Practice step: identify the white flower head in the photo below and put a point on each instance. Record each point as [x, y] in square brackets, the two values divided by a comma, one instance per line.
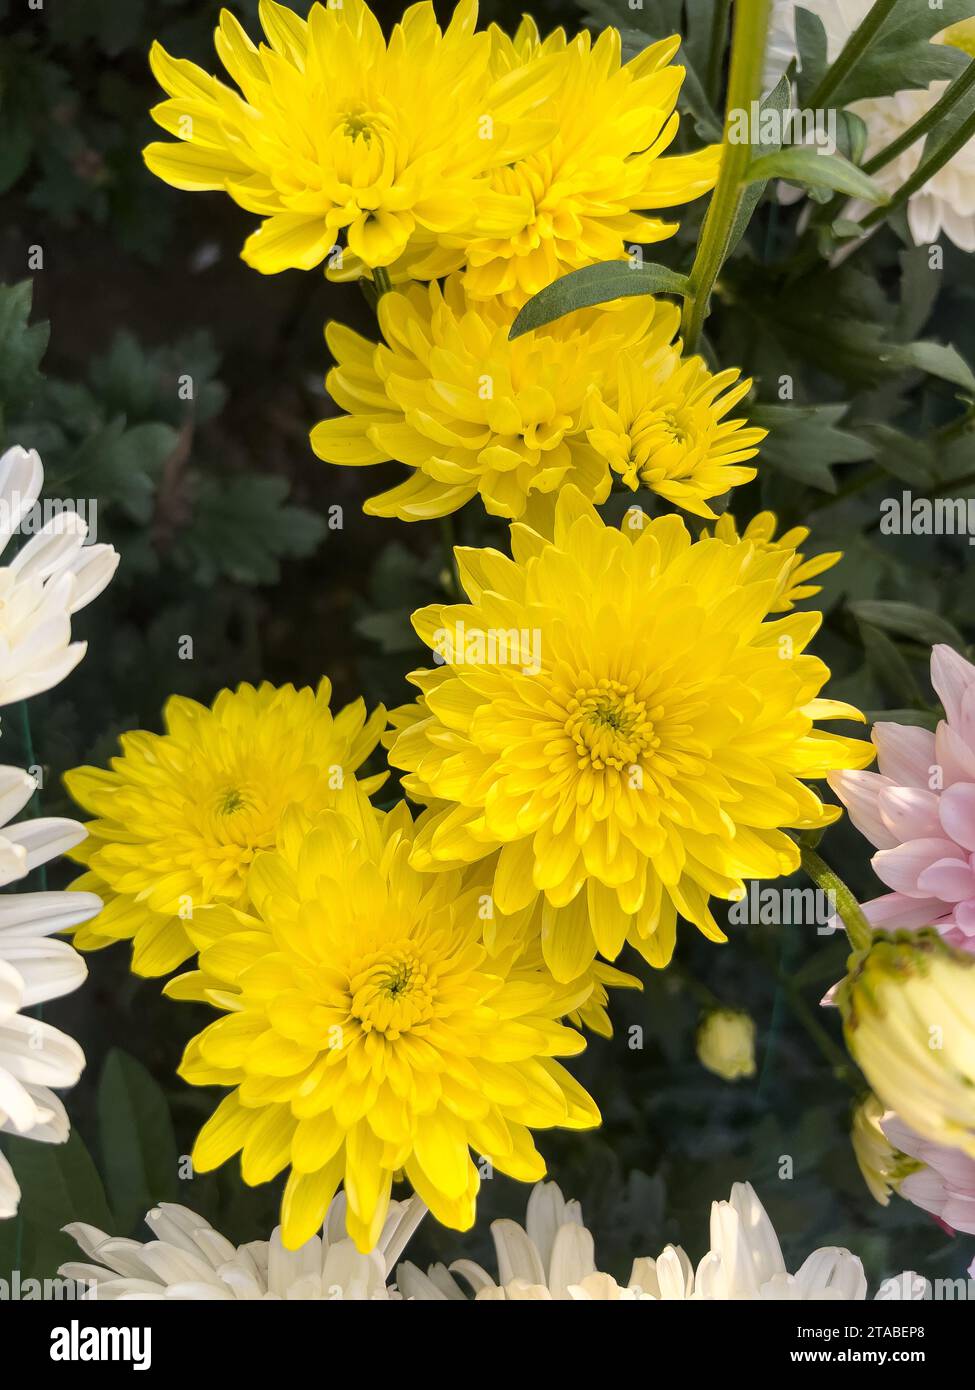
[552, 1258]
[50, 578]
[34, 1056]
[946, 203]
[188, 1260]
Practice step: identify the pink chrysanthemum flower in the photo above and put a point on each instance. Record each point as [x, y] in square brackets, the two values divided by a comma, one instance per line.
[919, 811]
[944, 1180]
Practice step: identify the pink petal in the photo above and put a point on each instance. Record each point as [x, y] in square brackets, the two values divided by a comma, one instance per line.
[905, 753]
[957, 812]
[859, 793]
[965, 916]
[951, 676]
[894, 912]
[900, 868]
[901, 1135]
[951, 880]
[909, 813]
[954, 756]
[966, 724]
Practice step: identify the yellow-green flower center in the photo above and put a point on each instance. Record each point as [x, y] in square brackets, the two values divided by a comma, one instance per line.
[392, 992]
[356, 125]
[610, 726]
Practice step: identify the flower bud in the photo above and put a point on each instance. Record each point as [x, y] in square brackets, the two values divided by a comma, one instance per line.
[882, 1166]
[908, 1007]
[726, 1044]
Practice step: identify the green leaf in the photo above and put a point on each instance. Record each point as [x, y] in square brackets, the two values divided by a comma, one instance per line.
[813, 169]
[59, 1183]
[138, 1147]
[22, 346]
[908, 620]
[811, 44]
[241, 528]
[902, 55]
[909, 460]
[889, 664]
[804, 441]
[122, 466]
[937, 359]
[594, 284]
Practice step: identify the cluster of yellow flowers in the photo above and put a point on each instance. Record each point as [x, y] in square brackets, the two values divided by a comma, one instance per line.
[623, 719]
[537, 158]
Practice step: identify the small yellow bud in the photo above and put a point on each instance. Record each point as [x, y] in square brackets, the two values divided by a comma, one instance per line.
[726, 1044]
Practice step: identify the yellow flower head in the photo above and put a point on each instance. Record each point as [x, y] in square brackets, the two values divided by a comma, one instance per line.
[335, 132]
[667, 432]
[471, 412]
[369, 1034]
[516, 940]
[759, 534]
[181, 815]
[588, 188]
[618, 717]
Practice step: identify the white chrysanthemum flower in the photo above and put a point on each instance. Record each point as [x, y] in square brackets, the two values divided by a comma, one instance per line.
[745, 1260]
[188, 1260]
[51, 577]
[839, 17]
[946, 203]
[34, 1057]
[553, 1258]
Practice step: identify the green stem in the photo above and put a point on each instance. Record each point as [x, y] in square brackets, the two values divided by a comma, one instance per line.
[963, 424]
[719, 38]
[853, 50]
[830, 1049]
[857, 927]
[858, 484]
[744, 86]
[926, 170]
[381, 280]
[932, 118]
[706, 998]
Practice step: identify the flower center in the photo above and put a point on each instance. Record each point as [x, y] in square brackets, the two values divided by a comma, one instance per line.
[392, 992]
[230, 802]
[356, 125]
[610, 726]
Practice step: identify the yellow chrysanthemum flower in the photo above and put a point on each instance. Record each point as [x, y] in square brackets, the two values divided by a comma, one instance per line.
[369, 1035]
[181, 815]
[471, 412]
[336, 131]
[586, 188]
[960, 35]
[667, 431]
[615, 714]
[760, 535]
[516, 940]
[589, 188]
